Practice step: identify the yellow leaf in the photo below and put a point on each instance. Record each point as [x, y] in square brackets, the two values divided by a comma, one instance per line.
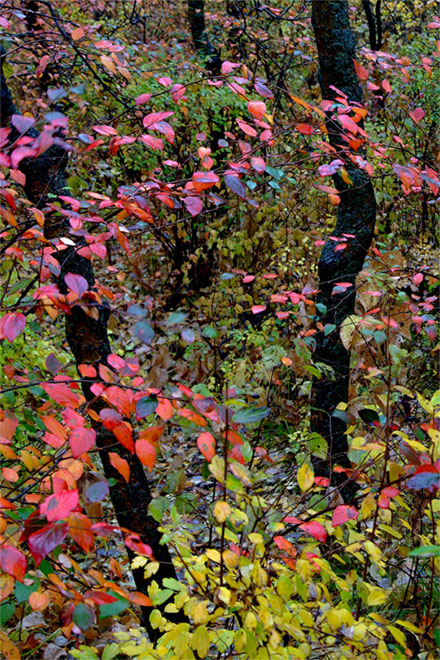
[306, 477]
[108, 63]
[200, 612]
[222, 511]
[242, 473]
[9, 650]
[409, 626]
[217, 468]
[414, 444]
[334, 618]
[347, 330]
[377, 596]
[201, 641]
[398, 635]
[213, 555]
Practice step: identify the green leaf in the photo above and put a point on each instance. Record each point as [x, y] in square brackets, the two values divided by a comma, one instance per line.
[176, 317]
[162, 596]
[23, 591]
[6, 611]
[328, 328]
[426, 551]
[172, 583]
[146, 406]
[368, 416]
[250, 415]
[83, 616]
[115, 608]
[157, 508]
[110, 652]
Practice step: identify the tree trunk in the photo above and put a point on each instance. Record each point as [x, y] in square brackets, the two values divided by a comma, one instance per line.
[196, 17]
[356, 216]
[88, 340]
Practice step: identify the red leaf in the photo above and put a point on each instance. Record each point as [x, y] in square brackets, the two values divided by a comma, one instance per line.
[204, 180]
[100, 597]
[263, 90]
[110, 418]
[61, 394]
[13, 561]
[206, 444]
[81, 440]
[76, 283]
[146, 453]
[59, 506]
[315, 529]
[46, 540]
[305, 129]
[134, 543]
[417, 278]
[343, 514]
[257, 309]
[12, 325]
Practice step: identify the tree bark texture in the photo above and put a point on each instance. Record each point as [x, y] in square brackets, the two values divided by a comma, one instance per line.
[88, 340]
[356, 215]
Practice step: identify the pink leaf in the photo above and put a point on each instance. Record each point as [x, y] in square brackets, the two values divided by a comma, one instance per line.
[194, 205]
[258, 164]
[81, 440]
[59, 506]
[343, 514]
[12, 561]
[11, 326]
[143, 98]
[76, 283]
[417, 115]
[257, 309]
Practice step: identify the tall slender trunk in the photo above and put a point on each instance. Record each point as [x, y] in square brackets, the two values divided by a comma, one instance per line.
[355, 216]
[88, 340]
[196, 17]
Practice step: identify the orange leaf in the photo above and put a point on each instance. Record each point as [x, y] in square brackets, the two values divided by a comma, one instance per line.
[39, 600]
[140, 599]
[151, 434]
[120, 464]
[146, 453]
[206, 444]
[80, 529]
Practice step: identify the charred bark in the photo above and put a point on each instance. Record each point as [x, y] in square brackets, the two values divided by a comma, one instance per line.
[356, 216]
[88, 340]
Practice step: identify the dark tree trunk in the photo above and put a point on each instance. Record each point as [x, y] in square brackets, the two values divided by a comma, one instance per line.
[356, 215]
[88, 340]
[196, 16]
